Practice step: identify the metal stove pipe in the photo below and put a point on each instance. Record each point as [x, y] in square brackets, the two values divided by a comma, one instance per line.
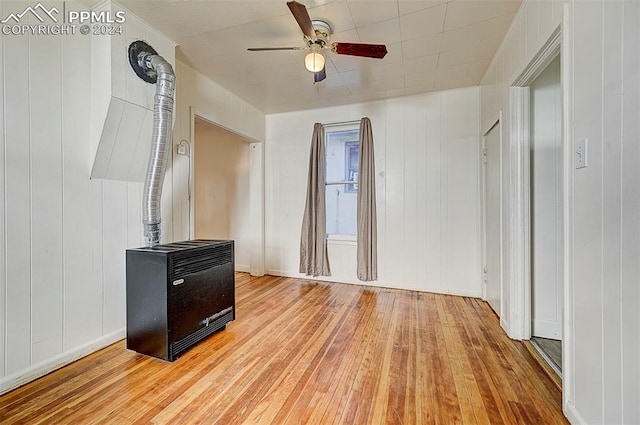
[154, 68]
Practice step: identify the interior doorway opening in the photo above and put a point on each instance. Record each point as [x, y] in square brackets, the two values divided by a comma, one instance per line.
[546, 213]
[221, 189]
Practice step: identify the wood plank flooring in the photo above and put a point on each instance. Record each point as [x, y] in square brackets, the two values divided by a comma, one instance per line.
[305, 352]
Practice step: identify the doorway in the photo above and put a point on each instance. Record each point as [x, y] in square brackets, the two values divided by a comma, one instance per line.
[492, 225]
[221, 176]
[546, 213]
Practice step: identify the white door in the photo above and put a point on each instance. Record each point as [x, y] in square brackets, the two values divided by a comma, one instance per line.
[546, 204]
[492, 221]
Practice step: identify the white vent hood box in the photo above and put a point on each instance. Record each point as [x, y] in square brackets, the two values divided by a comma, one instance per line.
[121, 109]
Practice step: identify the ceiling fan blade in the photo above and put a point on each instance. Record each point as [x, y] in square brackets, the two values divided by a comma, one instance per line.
[299, 11]
[377, 51]
[264, 49]
[320, 75]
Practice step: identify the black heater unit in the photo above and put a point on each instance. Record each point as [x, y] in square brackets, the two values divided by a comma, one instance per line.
[178, 294]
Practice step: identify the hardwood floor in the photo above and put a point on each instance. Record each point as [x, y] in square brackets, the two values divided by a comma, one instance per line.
[307, 352]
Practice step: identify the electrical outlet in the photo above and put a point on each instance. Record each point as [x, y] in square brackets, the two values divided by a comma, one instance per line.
[581, 153]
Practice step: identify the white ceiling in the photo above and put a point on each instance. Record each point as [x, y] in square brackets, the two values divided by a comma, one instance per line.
[432, 44]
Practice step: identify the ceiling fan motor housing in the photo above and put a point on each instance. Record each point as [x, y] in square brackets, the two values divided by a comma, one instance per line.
[323, 33]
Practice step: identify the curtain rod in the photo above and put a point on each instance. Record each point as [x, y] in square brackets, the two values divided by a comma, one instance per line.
[335, 124]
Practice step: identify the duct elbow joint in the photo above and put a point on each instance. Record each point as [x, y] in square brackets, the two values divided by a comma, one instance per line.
[148, 65]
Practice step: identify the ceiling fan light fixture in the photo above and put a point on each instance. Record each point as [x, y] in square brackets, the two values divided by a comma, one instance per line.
[317, 34]
[314, 62]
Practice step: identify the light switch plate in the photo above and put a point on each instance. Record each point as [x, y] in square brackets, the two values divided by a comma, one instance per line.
[581, 153]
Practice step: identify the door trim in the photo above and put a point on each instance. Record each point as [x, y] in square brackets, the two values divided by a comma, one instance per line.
[520, 223]
[497, 123]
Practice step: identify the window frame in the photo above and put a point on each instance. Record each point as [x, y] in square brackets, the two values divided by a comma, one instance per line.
[343, 238]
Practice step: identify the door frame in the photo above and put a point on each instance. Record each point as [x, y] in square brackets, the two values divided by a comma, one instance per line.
[483, 162]
[518, 197]
[520, 226]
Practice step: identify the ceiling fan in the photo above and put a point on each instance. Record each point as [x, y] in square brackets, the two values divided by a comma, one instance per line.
[316, 37]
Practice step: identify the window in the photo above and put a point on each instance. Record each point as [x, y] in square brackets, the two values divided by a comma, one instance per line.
[343, 153]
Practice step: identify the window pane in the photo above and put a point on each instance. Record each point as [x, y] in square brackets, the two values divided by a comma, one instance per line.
[342, 150]
[342, 209]
[338, 167]
[352, 152]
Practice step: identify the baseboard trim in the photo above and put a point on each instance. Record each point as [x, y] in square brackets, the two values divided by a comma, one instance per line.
[377, 283]
[34, 372]
[504, 324]
[572, 414]
[243, 268]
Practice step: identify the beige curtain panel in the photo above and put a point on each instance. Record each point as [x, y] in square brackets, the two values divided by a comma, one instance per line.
[314, 260]
[367, 221]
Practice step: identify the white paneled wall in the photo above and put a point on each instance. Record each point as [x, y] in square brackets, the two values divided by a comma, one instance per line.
[129, 100]
[63, 236]
[60, 296]
[604, 67]
[426, 152]
[3, 211]
[45, 188]
[17, 277]
[601, 68]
